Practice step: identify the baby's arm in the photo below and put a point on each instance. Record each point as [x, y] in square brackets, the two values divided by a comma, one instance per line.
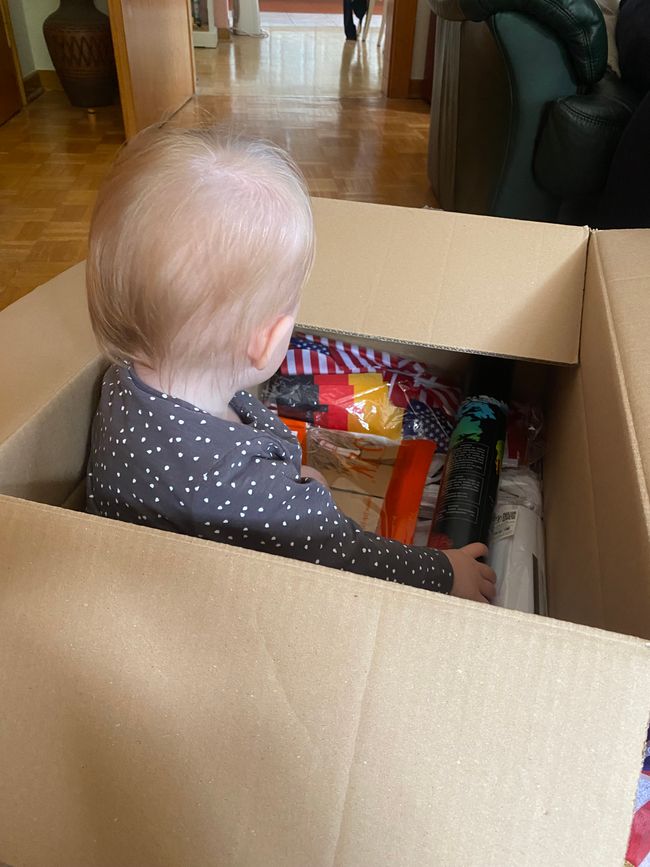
[277, 509]
[308, 522]
[344, 545]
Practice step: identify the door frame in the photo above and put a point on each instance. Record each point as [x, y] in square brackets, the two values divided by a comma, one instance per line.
[6, 23]
[398, 49]
[118, 30]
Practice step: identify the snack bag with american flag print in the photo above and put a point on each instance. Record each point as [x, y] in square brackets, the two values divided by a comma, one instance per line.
[341, 386]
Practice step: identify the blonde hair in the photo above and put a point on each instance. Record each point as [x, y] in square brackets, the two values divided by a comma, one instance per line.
[195, 239]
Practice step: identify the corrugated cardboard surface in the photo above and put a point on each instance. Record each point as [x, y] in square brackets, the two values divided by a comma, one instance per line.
[598, 449]
[625, 264]
[50, 364]
[573, 565]
[615, 368]
[168, 701]
[448, 280]
[50, 328]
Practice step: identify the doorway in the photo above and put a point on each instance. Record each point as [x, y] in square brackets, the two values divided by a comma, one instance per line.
[304, 54]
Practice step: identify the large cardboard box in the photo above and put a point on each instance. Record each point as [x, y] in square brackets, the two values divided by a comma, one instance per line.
[168, 701]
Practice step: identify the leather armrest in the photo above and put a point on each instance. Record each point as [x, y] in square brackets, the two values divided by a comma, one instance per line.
[578, 138]
[578, 24]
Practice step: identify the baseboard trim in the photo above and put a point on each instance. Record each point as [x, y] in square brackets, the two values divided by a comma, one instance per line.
[39, 81]
[33, 86]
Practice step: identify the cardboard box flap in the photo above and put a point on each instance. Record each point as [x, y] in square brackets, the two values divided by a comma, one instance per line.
[615, 370]
[50, 327]
[455, 281]
[624, 259]
[173, 701]
[46, 345]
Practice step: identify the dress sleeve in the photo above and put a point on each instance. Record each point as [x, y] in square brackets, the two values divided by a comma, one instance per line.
[295, 517]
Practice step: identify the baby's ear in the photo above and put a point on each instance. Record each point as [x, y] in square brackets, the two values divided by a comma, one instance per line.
[268, 341]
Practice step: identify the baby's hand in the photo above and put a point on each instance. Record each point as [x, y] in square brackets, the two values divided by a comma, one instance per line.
[472, 580]
[314, 475]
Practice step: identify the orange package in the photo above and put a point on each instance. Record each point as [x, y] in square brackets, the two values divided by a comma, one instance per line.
[375, 481]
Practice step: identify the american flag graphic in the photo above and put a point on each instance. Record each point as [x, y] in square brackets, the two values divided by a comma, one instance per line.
[309, 353]
[408, 380]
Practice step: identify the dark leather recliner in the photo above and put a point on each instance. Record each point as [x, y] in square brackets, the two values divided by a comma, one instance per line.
[524, 117]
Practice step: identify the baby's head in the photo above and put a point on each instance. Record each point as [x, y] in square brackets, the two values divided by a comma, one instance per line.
[199, 249]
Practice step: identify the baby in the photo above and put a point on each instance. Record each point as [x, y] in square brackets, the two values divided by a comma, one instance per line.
[199, 249]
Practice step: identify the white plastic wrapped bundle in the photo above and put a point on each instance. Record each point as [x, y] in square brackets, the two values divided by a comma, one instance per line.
[517, 543]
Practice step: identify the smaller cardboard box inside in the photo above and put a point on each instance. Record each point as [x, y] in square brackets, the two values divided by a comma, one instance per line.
[171, 701]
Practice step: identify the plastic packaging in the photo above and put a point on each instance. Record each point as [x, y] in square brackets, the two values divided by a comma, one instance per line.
[340, 386]
[376, 482]
[521, 487]
[402, 408]
[516, 543]
[471, 477]
[524, 441]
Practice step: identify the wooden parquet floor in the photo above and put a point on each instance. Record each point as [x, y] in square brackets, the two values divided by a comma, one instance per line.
[307, 59]
[371, 150]
[53, 158]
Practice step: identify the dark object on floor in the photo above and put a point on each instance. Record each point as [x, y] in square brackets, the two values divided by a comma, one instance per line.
[360, 9]
[78, 37]
[524, 121]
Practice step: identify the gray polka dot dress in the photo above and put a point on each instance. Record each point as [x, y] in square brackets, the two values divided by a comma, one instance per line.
[158, 461]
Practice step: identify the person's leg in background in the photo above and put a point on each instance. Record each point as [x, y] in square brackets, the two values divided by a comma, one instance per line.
[348, 20]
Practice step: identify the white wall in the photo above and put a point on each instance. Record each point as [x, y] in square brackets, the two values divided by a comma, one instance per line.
[420, 40]
[19, 27]
[36, 11]
[31, 43]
